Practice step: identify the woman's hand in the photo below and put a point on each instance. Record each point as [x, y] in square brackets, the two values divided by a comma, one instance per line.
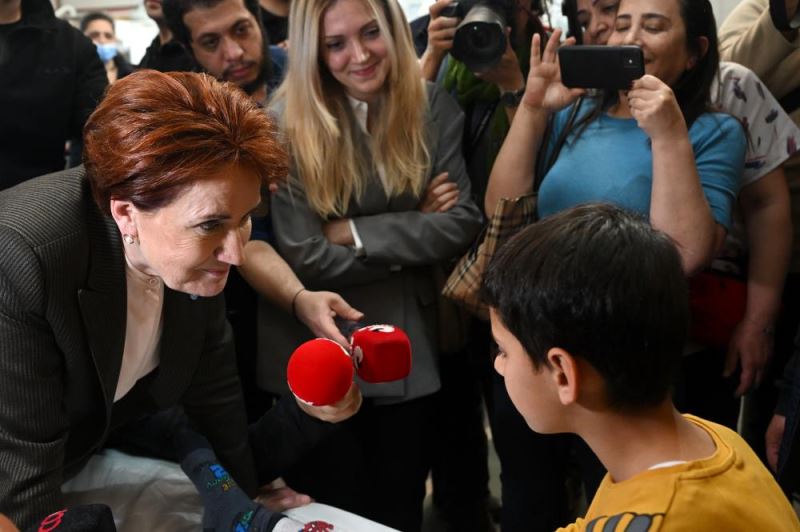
[653, 105]
[544, 89]
[344, 409]
[751, 347]
[317, 310]
[338, 232]
[773, 439]
[440, 196]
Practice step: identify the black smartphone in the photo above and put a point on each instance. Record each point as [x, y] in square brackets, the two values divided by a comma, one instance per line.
[600, 67]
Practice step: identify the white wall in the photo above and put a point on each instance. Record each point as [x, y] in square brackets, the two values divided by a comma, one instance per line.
[722, 8]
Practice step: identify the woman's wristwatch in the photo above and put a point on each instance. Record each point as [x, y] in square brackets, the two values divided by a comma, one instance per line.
[512, 98]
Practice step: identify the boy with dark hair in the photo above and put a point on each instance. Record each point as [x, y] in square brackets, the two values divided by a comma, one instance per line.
[590, 313]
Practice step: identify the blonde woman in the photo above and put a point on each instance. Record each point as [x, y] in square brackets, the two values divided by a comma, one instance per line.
[378, 196]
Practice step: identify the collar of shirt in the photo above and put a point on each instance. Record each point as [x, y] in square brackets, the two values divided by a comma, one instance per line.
[361, 112]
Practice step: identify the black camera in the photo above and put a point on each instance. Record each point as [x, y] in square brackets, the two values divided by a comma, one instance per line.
[480, 38]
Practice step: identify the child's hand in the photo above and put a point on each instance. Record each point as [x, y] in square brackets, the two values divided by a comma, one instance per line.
[277, 497]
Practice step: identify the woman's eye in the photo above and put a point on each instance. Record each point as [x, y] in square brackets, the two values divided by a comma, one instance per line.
[208, 227]
[372, 32]
[621, 27]
[610, 9]
[334, 45]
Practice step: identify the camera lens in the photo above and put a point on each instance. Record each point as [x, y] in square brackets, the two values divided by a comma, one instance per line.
[632, 58]
[480, 39]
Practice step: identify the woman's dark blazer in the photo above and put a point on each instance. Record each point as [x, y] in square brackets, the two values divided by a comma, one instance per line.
[62, 333]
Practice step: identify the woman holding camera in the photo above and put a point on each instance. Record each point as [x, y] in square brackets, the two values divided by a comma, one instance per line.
[673, 160]
[367, 138]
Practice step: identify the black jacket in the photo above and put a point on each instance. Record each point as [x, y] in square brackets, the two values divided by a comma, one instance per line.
[62, 335]
[50, 82]
[168, 57]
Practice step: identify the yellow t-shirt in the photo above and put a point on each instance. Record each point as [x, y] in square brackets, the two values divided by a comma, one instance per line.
[730, 490]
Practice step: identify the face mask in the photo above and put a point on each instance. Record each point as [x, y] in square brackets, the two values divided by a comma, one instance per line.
[107, 52]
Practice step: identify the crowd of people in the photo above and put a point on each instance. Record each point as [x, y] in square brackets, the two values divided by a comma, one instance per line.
[272, 169]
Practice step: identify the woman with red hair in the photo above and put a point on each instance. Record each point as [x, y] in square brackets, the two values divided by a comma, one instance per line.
[110, 282]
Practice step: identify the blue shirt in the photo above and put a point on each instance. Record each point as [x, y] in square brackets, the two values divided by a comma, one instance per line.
[612, 162]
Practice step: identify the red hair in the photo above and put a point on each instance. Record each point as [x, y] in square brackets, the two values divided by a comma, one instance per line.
[155, 133]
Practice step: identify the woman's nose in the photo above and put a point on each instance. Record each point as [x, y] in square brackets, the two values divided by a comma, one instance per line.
[232, 250]
[360, 52]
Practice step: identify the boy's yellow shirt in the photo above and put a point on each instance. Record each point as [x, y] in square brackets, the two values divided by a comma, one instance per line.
[730, 490]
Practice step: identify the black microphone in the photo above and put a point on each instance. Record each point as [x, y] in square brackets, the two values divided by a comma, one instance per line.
[88, 518]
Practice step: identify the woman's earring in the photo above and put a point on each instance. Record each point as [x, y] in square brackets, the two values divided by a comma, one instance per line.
[129, 239]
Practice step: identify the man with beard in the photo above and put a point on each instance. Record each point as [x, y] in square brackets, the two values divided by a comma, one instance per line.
[226, 39]
[164, 53]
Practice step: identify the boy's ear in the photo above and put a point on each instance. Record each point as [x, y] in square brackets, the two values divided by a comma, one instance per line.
[565, 374]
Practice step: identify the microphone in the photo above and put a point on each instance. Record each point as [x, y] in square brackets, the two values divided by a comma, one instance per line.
[89, 518]
[381, 353]
[320, 372]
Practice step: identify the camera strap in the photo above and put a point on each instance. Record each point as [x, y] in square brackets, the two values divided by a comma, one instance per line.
[782, 20]
[475, 137]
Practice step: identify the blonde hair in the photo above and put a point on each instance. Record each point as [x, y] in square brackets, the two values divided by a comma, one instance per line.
[320, 127]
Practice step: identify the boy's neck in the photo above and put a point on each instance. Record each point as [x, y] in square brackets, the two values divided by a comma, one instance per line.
[629, 444]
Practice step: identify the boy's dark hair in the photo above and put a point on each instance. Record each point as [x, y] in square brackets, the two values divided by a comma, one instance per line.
[175, 9]
[95, 15]
[603, 285]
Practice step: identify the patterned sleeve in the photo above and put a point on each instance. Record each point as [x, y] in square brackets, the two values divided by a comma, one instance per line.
[772, 136]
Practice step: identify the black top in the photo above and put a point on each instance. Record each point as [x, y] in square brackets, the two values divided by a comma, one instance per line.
[5, 29]
[168, 57]
[51, 79]
[123, 67]
[277, 28]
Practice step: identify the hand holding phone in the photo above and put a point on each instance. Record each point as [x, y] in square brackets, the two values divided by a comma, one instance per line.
[600, 67]
[544, 89]
[656, 110]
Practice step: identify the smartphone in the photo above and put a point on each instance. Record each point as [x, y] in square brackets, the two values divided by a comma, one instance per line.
[600, 67]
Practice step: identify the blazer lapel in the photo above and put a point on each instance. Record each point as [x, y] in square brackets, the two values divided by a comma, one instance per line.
[103, 302]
